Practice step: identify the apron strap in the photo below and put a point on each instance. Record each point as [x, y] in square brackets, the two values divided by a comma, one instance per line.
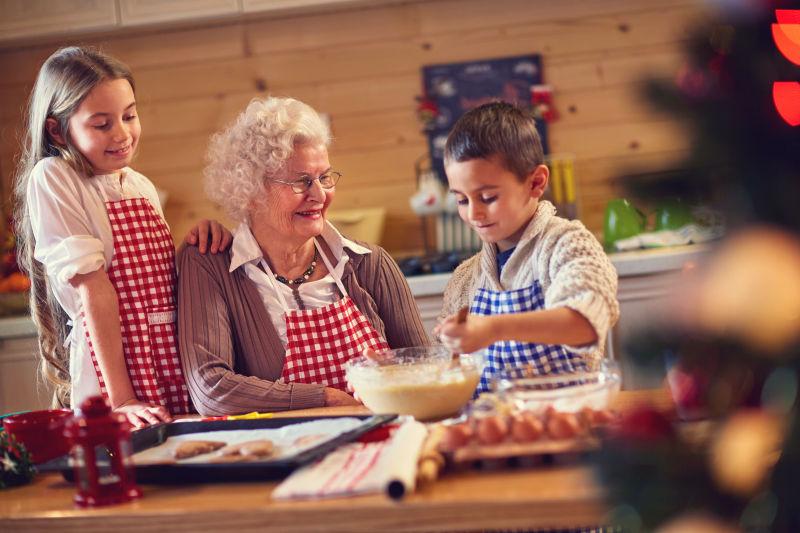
[330, 269]
[274, 283]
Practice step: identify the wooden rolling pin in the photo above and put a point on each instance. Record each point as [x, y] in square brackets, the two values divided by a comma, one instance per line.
[430, 460]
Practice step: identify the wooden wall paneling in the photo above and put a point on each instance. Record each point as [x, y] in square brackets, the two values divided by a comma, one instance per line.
[611, 69]
[9, 151]
[405, 237]
[171, 153]
[460, 15]
[359, 96]
[150, 48]
[385, 165]
[593, 37]
[209, 78]
[332, 29]
[358, 60]
[255, 6]
[370, 58]
[133, 12]
[171, 160]
[618, 103]
[13, 99]
[184, 215]
[185, 185]
[618, 138]
[602, 173]
[190, 116]
[389, 128]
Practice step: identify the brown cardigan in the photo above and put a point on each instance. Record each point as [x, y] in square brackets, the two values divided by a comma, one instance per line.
[231, 352]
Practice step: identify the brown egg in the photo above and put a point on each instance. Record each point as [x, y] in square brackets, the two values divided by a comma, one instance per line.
[526, 427]
[455, 437]
[563, 425]
[590, 418]
[492, 430]
[602, 417]
[586, 416]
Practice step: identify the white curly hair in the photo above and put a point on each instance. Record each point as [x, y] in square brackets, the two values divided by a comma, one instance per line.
[259, 142]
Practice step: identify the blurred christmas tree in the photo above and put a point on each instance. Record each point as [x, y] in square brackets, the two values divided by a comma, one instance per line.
[733, 333]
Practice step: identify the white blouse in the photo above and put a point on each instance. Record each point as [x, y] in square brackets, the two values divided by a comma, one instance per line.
[246, 253]
[73, 236]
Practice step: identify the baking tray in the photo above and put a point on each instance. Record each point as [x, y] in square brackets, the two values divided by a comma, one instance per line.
[180, 473]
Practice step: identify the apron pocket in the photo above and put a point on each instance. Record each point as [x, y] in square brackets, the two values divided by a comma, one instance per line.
[161, 328]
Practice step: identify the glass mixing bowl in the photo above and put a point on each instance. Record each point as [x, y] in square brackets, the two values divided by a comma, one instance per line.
[422, 381]
[568, 392]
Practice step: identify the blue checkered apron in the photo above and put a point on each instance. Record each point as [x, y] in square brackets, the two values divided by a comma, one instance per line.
[542, 358]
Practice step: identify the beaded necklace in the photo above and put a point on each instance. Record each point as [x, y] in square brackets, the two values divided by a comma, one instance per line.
[294, 284]
[303, 277]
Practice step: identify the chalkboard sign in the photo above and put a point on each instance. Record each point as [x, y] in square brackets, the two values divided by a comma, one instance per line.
[458, 87]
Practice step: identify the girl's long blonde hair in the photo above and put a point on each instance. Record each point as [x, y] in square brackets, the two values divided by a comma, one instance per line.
[64, 80]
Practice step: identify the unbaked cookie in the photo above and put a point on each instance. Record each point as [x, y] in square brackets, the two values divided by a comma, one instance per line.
[193, 448]
[254, 449]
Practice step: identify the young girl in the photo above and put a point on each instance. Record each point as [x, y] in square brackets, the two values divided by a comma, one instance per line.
[541, 293]
[95, 244]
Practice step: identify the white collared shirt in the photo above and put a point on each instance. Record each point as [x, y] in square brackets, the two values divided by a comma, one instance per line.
[246, 253]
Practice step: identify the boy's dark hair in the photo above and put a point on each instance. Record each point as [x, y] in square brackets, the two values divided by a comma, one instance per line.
[497, 129]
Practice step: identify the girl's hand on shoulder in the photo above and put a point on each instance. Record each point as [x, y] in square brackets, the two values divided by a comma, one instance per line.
[141, 414]
[468, 336]
[209, 232]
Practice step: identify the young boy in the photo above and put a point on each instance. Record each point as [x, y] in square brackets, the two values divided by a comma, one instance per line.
[541, 293]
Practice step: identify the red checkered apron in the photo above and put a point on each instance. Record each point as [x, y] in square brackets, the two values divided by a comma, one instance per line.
[143, 274]
[320, 341]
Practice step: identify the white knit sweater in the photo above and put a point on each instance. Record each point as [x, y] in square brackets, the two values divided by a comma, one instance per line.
[564, 257]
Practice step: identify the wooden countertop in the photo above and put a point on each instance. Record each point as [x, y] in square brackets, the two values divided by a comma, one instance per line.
[542, 497]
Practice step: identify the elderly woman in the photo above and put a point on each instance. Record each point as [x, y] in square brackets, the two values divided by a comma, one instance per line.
[270, 324]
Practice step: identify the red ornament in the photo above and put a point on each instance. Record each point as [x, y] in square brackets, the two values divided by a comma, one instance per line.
[786, 95]
[542, 101]
[427, 112]
[101, 450]
[786, 34]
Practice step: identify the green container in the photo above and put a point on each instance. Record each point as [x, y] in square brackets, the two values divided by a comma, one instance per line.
[622, 220]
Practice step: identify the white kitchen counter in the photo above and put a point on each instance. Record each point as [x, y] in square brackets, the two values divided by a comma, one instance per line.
[651, 261]
[429, 284]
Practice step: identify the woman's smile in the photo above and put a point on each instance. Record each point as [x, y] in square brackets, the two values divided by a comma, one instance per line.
[312, 214]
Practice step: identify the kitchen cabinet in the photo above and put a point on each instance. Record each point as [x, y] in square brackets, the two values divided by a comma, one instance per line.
[428, 292]
[34, 18]
[140, 12]
[21, 388]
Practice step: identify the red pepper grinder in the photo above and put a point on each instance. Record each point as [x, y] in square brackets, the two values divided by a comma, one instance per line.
[101, 450]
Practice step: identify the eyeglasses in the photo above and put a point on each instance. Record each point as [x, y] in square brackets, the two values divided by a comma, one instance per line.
[302, 185]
